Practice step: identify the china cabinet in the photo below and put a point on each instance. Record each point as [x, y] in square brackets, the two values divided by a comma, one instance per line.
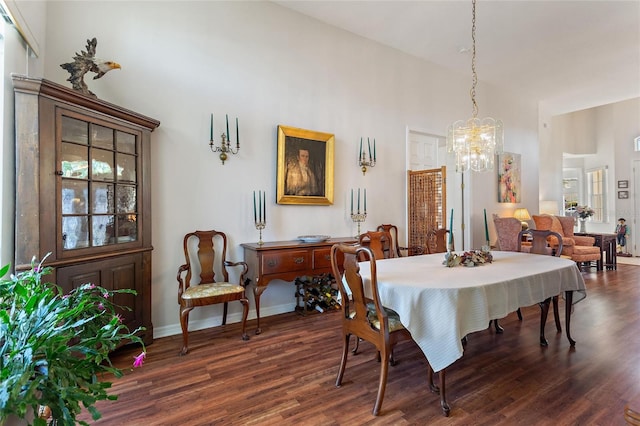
[83, 192]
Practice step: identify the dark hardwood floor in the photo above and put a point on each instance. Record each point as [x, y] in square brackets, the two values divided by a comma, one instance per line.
[286, 375]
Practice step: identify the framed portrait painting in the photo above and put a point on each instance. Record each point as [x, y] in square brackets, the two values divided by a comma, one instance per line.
[509, 173]
[305, 167]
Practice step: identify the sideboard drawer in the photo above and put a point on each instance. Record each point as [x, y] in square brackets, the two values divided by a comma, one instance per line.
[286, 261]
[322, 258]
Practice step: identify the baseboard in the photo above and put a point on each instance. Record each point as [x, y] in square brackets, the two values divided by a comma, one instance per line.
[173, 329]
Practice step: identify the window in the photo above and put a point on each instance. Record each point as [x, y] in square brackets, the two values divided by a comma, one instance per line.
[597, 193]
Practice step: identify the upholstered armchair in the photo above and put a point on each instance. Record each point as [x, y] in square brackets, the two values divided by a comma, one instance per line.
[507, 229]
[578, 248]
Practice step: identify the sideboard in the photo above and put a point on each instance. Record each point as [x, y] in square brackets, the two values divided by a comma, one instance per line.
[286, 260]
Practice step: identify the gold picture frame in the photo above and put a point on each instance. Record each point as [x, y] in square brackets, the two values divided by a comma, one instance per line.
[305, 166]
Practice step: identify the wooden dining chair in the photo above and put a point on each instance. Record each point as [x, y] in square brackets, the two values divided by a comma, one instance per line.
[205, 256]
[545, 243]
[400, 250]
[393, 231]
[379, 242]
[438, 240]
[363, 315]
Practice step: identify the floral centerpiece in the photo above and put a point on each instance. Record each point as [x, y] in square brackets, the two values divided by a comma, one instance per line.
[468, 258]
[584, 212]
[54, 347]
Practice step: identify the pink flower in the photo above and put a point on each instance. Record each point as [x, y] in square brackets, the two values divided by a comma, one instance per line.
[101, 306]
[119, 317]
[139, 360]
[105, 295]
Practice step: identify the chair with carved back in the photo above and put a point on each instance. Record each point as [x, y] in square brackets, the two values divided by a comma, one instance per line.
[205, 256]
[363, 315]
[437, 240]
[379, 242]
[540, 244]
[382, 245]
[401, 251]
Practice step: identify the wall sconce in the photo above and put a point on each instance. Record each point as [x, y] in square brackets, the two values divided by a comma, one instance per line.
[362, 159]
[522, 215]
[225, 145]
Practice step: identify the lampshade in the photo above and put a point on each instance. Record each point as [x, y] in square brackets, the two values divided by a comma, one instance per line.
[475, 142]
[522, 215]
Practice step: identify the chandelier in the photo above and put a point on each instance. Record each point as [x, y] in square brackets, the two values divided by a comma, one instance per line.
[475, 142]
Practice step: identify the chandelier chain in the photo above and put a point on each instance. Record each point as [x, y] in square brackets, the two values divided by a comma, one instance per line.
[473, 60]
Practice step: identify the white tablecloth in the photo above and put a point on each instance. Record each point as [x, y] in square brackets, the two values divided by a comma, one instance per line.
[441, 305]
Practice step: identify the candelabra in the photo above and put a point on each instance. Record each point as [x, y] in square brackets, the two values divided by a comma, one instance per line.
[260, 225]
[225, 144]
[260, 213]
[358, 218]
[362, 159]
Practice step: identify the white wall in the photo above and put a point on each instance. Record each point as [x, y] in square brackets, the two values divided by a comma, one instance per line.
[268, 65]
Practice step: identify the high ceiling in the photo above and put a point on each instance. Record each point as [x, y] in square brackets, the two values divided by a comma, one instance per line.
[572, 54]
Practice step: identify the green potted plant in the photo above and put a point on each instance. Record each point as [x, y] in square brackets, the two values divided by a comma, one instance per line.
[54, 347]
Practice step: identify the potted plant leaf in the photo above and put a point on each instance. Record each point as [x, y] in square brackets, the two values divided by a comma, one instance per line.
[54, 347]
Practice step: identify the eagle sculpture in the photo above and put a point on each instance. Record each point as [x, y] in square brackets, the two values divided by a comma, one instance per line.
[83, 63]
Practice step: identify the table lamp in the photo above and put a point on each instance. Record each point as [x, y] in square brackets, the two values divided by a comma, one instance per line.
[522, 215]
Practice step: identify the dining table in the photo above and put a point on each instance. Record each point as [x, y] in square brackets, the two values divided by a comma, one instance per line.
[440, 305]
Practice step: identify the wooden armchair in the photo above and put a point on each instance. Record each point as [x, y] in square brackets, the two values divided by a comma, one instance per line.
[363, 315]
[200, 287]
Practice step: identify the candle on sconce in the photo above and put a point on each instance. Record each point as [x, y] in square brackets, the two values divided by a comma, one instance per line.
[255, 213]
[351, 200]
[264, 207]
[211, 139]
[227, 126]
[358, 200]
[369, 144]
[360, 151]
[374, 149]
[259, 206]
[237, 134]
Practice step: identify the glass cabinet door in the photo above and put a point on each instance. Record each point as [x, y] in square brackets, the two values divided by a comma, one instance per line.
[99, 184]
